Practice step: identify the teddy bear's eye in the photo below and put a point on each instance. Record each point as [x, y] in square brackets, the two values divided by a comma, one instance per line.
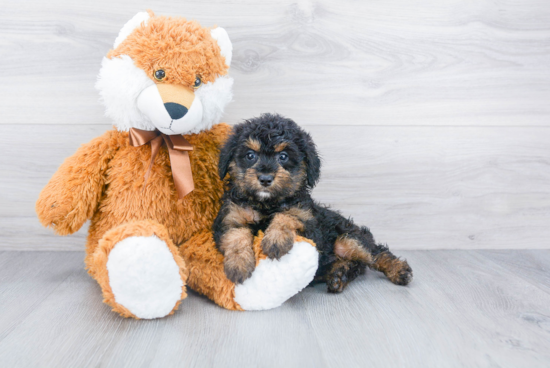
[198, 82]
[160, 74]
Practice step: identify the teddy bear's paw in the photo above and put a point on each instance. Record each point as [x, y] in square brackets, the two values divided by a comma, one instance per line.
[275, 281]
[144, 276]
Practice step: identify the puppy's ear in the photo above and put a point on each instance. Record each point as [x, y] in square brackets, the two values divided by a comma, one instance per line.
[226, 154]
[313, 161]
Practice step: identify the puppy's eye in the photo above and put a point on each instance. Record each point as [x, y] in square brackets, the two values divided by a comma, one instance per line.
[283, 157]
[159, 74]
[251, 155]
[198, 82]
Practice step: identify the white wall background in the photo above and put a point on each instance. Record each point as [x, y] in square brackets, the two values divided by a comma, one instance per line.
[433, 116]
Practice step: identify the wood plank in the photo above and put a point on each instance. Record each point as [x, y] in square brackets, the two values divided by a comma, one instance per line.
[355, 63]
[32, 154]
[72, 327]
[464, 308]
[460, 311]
[27, 234]
[26, 279]
[530, 265]
[415, 187]
[445, 187]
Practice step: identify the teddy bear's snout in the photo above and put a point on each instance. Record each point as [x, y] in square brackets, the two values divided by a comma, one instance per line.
[175, 110]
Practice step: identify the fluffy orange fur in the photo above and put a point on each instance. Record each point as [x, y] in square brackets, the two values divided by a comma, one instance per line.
[180, 47]
[98, 263]
[104, 181]
[206, 270]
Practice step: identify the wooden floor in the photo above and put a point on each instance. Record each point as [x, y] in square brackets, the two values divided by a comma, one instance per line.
[472, 308]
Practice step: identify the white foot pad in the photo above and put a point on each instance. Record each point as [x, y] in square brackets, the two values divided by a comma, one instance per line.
[144, 276]
[273, 282]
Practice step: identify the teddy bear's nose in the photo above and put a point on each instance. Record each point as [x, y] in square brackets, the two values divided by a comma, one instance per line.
[175, 110]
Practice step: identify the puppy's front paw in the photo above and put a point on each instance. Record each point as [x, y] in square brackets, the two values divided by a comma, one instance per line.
[276, 243]
[239, 266]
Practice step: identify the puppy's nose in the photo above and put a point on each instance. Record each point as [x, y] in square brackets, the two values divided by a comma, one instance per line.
[265, 180]
[175, 110]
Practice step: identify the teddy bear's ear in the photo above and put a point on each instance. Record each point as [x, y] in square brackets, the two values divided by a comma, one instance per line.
[221, 36]
[129, 27]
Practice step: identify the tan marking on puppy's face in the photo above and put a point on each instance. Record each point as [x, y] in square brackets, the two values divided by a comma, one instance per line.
[242, 178]
[250, 184]
[286, 182]
[351, 249]
[282, 179]
[281, 146]
[253, 144]
[298, 179]
[246, 178]
[234, 171]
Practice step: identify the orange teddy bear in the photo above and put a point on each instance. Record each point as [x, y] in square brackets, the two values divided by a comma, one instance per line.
[151, 186]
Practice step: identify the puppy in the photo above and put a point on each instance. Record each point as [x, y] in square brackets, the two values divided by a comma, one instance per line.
[273, 165]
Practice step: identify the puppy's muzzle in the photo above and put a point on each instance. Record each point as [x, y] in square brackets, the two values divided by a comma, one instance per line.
[265, 180]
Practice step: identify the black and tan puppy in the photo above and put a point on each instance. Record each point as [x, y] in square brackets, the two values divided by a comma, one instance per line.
[273, 165]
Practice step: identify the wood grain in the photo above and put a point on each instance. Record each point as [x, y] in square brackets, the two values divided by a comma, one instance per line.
[415, 187]
[443, 62]
[464, 309]
[530, 265]
[26, 233]
[433, 121]
[432, 116]
[458, 300]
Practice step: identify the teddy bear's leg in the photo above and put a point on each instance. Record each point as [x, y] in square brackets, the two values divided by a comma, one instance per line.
[139, 270]
[271, 284]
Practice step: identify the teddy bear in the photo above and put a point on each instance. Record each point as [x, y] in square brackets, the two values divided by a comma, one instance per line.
[150, 186]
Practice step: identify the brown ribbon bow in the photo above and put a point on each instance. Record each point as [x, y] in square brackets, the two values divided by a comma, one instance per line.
[178, 148]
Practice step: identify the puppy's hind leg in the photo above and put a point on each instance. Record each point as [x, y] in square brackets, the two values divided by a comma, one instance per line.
[351, 261]
[358, 245]
[397, 270]
[342, 273]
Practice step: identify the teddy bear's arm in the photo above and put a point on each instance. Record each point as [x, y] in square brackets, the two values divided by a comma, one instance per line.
[72, 194]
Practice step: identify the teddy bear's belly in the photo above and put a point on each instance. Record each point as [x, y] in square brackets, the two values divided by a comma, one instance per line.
[128, 197]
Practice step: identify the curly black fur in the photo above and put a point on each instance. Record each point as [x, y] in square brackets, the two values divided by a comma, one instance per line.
[284, 152]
